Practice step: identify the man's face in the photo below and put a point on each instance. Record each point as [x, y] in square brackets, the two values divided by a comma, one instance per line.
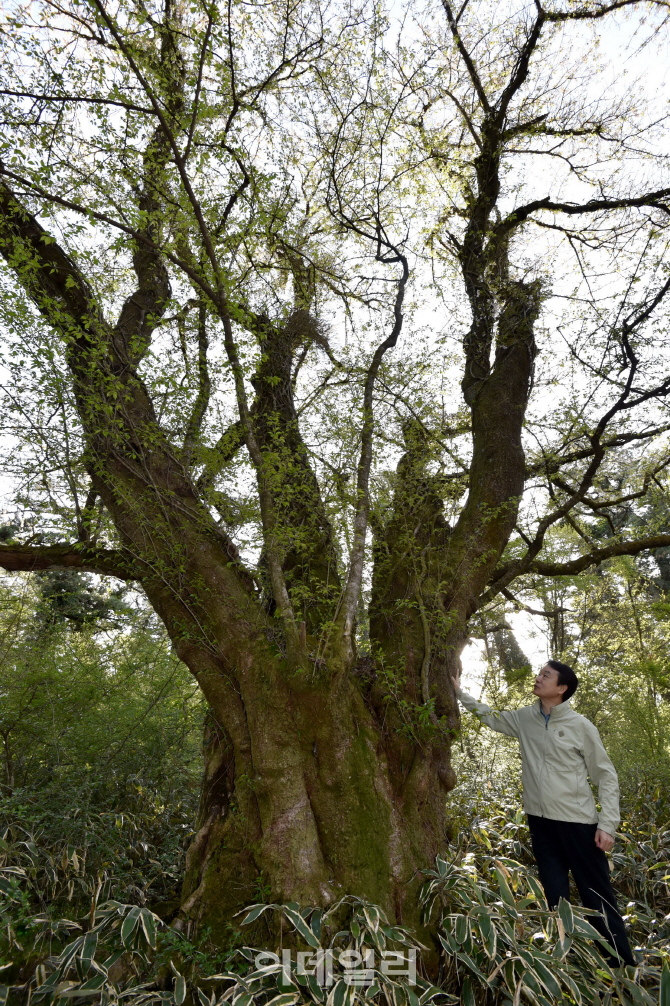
[547, 686]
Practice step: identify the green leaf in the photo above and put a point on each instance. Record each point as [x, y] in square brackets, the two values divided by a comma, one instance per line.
[586, 929]
[4, 992]
[202, 998]
[285, 999]
[315, 988]
[93, 984]
[299, 924]
[179, 990]
[398, 993]
[68, 955]
[509, 973]
[468, 994]
[106, 965]
[412, 998]
[504, 888]
[488, 933]
[430, 993]
[129, 926]
[253, 914]
[372, 917]
[536, 887]
[664, 996]
[315, 923]
[547, 979]
[468, 961]
[149, 926]
[574, 988]
[337, 994]
[566, 916]
[448, 942]
[78, 992]
[530, 981]
[484, 923]
[639, 994]
[88, 950]
[243, 1000]
[460, 929]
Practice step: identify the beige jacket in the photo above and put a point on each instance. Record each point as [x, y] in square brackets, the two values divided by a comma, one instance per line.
[555, 760]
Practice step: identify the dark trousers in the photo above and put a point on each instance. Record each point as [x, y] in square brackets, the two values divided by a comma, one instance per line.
[562, 846]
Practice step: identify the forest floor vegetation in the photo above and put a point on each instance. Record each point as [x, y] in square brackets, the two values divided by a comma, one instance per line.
[90, 921]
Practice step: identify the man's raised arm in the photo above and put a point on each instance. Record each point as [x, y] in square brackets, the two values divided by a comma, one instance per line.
[506, 721]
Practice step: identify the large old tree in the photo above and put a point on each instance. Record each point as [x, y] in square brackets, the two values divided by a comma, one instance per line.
[330, 332]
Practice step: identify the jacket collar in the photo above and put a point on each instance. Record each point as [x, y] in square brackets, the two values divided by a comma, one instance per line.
[557, 712]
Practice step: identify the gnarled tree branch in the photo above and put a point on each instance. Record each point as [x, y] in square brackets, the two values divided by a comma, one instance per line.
[599, 555]
[105, 562]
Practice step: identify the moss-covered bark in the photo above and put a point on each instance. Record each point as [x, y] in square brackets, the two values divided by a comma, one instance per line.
[313, 810]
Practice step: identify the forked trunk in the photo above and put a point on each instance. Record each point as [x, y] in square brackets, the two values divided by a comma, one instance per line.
[311, 800]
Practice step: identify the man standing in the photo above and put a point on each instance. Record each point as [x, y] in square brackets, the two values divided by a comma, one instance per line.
[559, 750]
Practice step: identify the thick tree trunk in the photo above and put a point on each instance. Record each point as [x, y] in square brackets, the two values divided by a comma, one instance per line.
[312, 806]
[306, 792]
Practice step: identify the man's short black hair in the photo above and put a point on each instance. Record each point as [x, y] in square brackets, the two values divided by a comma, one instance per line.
[566, 676]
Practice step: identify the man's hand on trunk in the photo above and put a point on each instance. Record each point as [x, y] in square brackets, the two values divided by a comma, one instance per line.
[604, 840]
[456, 678]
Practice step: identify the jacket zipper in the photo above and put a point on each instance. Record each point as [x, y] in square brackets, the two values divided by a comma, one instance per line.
[544, 763]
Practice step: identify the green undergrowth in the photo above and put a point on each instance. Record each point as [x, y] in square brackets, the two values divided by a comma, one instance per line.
[72, 845]
[488, 934]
